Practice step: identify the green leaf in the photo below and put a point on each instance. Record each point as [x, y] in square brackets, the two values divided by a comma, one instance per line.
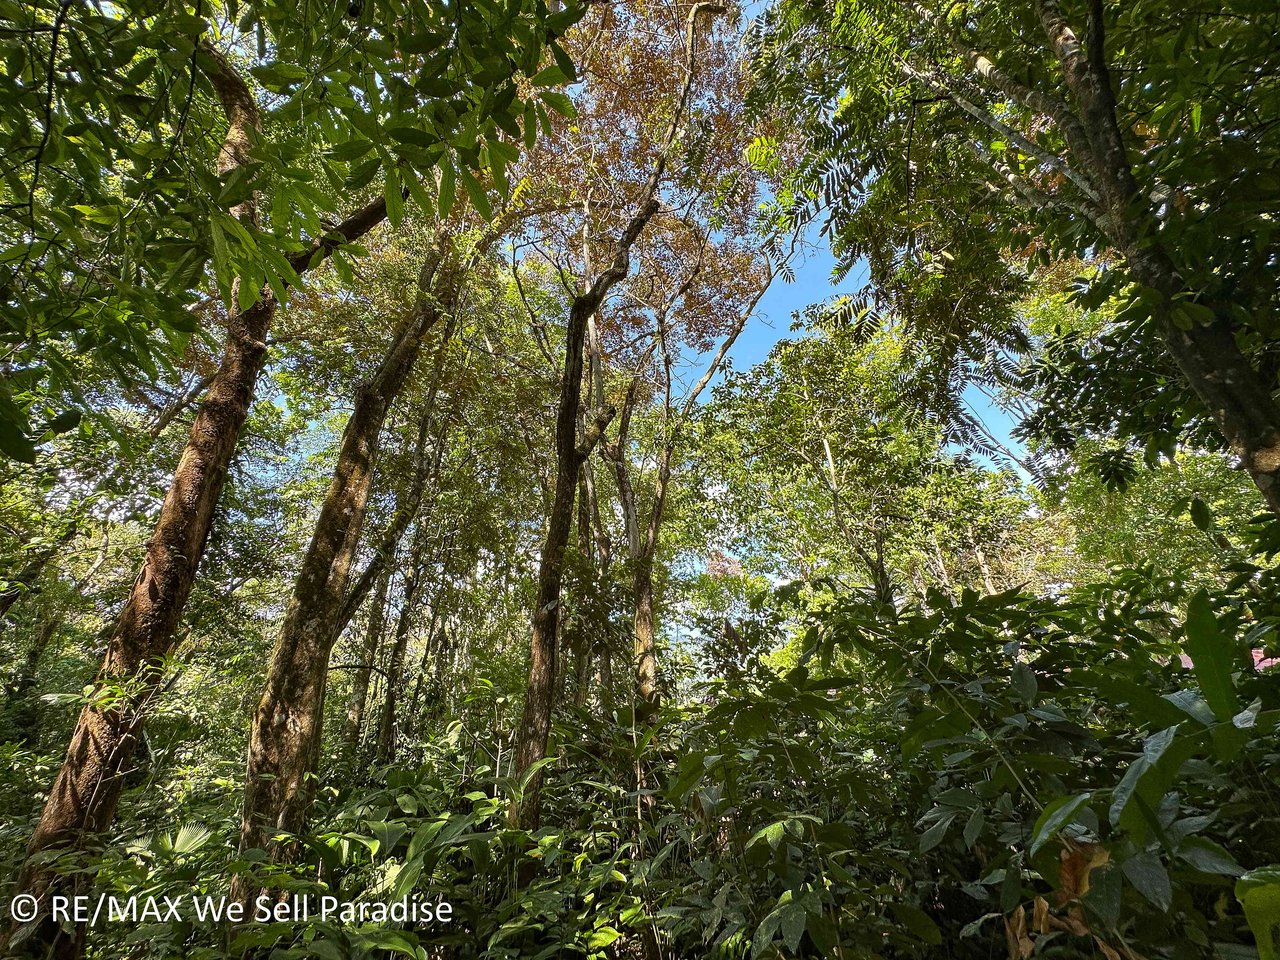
[602, 937]
[479, 198]
[394, 193]
[15, 443]
[973, 828]
[1145, 703]
[191, 838]
[414, 136]
[1211, 654]
[549, 77]
[1153, 752]
[406, 878]
[793, 922]
[353, 149]
[1060, 813]
[418, 191]
[772, 834]
[1259, 893]
[67, 420]
[1024, 683]
[221, 259]
[448, 187]
[1011, 888]
[1208, 857]
[564, 62]
[1201, 515]
[1149, 878]
[559, 102]
[935, 834]
[918, 922]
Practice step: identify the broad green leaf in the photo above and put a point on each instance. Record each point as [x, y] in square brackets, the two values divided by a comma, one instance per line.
[394, 194]
[1211, 655]
[559, 102]
[1259, 893]
[1207, 856]
[1149, 878]
[793, 920]
[1024, 683]
[918, 922]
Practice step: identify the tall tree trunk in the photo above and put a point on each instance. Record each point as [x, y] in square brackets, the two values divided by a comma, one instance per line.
[433, 652]
[284, 740]
[645, 651]
[577, 635]
[407, 509]
[83, 798]
[396, 679]
[359, 699]
[1235, 394]
[535, 729]
[646, 655]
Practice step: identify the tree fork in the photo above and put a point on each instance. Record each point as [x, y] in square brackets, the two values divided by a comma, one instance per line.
[535, 728]
[284, 739]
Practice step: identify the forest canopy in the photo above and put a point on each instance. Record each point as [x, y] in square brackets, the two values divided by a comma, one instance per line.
[640, 479]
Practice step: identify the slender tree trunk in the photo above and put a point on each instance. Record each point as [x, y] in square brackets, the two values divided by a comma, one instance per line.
[645, 651]
[646, 654]
[407, 509]
[432, 653]
[942, 566]
[535, 728]
[986, 570]
[578, 639]
[284, 740]
[396, 679]
[644, 553]
[359, 699]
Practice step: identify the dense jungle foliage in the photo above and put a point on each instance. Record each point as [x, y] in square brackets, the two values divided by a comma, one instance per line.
[664, 479]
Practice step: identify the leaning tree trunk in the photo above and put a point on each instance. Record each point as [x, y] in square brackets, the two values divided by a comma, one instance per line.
[1237, 397]
[284, 740]
[84, 795]
[83, 798]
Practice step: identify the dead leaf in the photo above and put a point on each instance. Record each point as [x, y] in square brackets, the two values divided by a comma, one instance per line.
[1078, 861]
[1041, 922]
[1015, 933]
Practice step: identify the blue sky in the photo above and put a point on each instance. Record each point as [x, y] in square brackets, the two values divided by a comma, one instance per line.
[813, 284]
